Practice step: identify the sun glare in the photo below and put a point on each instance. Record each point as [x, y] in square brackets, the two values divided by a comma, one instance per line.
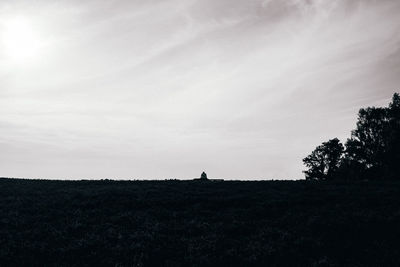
[20, 41]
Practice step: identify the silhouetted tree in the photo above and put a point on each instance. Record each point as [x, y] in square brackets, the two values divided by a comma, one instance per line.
[372, 151]
[324, 160]
[374, 144]
[369, 143]
[393, 156]
[203, 176]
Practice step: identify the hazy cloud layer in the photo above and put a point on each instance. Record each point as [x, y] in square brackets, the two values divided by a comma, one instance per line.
[165, 89]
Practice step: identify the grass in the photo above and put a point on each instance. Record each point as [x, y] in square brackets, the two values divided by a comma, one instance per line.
[195, 223]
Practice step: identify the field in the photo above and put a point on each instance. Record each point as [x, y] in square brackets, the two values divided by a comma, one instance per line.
[196, 223]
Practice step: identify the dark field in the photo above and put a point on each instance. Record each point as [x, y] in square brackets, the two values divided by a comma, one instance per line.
[194, 223]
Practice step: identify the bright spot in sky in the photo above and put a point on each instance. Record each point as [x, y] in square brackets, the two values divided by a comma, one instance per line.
[20, 41]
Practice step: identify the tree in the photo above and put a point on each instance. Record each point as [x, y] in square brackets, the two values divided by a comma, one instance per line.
[203, 176]
[324, 161]
[395, 104]
[372, 151]
[374, 144]
[393, 153]
[369, 142]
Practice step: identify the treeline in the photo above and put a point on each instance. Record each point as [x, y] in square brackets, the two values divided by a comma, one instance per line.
[372, 151]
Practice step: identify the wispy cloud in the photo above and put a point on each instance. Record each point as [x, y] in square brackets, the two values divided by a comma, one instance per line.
[155, 89]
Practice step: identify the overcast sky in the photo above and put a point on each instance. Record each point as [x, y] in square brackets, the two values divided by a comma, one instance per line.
[154, 89]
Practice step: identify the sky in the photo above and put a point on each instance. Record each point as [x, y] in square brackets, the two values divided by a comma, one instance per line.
[164, 89]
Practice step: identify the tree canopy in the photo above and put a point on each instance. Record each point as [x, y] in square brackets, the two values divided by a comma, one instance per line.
[324, 160]
[372, 151]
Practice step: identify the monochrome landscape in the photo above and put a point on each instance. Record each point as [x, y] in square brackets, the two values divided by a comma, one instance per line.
[200, 133]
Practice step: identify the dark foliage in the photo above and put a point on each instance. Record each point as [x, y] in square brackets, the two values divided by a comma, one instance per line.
[185, 223]
[372, 152]
[324, 161]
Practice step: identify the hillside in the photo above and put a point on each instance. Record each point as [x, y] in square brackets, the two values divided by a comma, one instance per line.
[195, 223]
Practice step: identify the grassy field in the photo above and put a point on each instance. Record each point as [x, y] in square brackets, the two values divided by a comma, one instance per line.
[194, 223]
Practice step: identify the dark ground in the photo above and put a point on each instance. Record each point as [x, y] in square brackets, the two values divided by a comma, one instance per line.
[195, 223]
